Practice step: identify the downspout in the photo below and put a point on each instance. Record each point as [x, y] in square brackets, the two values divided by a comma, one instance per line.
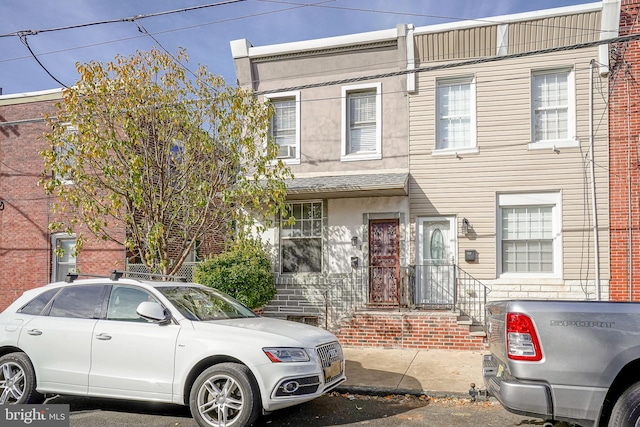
[411, 59]
[596, 242]
[630, 208]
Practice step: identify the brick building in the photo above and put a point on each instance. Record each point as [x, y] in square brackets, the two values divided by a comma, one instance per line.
[624, 160]
[27, 257]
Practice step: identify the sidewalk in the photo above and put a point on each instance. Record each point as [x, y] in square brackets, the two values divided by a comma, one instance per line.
[431, 372]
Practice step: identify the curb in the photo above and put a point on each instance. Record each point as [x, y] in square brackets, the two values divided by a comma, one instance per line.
[385, 391]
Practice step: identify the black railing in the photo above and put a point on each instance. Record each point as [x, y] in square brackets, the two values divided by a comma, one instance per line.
[435, 286]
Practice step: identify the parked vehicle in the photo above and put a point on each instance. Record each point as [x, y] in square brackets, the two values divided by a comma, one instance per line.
[571, 361]
[162, 341]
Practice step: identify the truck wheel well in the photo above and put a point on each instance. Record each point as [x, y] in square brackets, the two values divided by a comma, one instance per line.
[627, 376]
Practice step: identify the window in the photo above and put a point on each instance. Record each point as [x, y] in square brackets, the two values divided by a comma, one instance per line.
[64, 153]
[285, 125]
[529, 230]
[84, 302]
[301, 243]
[64, 258]
[362, 122]
[36, 305]
[124, 301]
[553, 108]
[456, 127]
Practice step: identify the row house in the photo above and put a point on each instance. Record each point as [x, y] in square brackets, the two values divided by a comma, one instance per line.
[438, 167]
[28, 256]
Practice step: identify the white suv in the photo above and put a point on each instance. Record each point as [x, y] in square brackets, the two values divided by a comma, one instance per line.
[161, 341]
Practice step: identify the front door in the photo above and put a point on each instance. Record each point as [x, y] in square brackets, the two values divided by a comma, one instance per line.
[384, 261]
[435, 253]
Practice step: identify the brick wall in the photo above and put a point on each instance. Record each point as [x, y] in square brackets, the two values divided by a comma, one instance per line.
[25, 242]
[420, 330]
[624, 160]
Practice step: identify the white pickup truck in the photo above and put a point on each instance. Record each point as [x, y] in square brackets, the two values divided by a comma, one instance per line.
[566, 361]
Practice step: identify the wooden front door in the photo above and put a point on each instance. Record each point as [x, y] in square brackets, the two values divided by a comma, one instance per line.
[384, 261]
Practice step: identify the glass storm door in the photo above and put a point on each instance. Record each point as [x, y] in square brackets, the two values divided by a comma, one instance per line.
[384, 261]
[435, 253]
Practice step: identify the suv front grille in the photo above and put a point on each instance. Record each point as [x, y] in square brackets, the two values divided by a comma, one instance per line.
[331, 358]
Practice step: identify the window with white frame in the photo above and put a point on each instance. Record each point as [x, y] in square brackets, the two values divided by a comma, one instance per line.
[456, 104]
[553, 107]
[64, 257]
[530, 239]
[362, 122]
[301, 242]
[285, 124]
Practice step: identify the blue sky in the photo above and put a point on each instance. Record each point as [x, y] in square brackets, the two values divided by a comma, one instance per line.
[205, 33]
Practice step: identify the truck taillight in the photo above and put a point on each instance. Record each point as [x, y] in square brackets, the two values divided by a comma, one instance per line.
[522, 340]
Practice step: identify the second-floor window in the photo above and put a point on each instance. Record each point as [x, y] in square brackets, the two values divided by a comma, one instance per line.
[285, 125]
[552, 107]
[361, 106]
[455, 100]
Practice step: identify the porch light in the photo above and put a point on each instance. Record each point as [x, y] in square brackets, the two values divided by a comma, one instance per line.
[354, 241]
[465, 226]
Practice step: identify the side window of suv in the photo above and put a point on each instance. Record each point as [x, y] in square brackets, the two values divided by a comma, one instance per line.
[81, 301]
[124, 301]
[36, 305]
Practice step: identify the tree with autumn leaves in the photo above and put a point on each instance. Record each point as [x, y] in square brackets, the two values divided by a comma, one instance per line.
[170, 157]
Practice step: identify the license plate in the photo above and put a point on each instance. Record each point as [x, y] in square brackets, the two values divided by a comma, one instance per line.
[334, 370]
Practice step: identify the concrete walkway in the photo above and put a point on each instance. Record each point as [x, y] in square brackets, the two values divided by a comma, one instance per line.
[431, 372]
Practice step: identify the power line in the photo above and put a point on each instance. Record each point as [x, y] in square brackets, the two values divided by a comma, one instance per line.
[111, 21]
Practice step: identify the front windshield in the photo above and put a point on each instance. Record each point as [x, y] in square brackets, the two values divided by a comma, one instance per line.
[203, 304]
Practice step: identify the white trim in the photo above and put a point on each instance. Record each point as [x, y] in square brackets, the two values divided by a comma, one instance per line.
[291, 94]
[377, 155]
[243, 48]
[531, 199]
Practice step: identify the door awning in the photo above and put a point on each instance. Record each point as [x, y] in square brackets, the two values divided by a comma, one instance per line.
[349, 186]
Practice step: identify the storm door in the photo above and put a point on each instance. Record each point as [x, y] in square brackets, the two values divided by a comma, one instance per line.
[435, 257]
[384, 261]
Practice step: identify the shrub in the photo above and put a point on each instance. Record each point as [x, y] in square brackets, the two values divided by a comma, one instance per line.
[244, 272]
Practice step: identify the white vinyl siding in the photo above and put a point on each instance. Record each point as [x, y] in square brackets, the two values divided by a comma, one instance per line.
[362, 122]
[529, 227]
[553, 111]
[285, 125]
[455, 114]
[301, 242]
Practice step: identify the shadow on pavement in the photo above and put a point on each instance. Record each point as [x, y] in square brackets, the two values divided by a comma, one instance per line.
[359, 376]
[336, 409]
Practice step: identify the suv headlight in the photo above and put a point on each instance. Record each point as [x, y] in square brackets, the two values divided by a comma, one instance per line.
[286, 354]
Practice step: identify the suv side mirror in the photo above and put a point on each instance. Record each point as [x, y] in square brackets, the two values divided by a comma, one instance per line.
[152, 311]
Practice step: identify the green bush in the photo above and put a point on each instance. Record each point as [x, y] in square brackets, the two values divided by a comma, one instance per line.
[244, 272]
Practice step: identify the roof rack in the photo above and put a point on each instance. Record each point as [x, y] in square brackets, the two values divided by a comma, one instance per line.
[117, 274]
[71, 277]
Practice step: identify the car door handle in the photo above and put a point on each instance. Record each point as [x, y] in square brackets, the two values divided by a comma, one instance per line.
[103, 337]
[34, 332]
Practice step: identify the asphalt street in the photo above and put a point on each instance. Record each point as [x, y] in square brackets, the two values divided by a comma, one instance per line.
[333, 409]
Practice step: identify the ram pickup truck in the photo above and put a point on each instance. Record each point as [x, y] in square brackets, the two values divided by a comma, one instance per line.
[565, 361]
